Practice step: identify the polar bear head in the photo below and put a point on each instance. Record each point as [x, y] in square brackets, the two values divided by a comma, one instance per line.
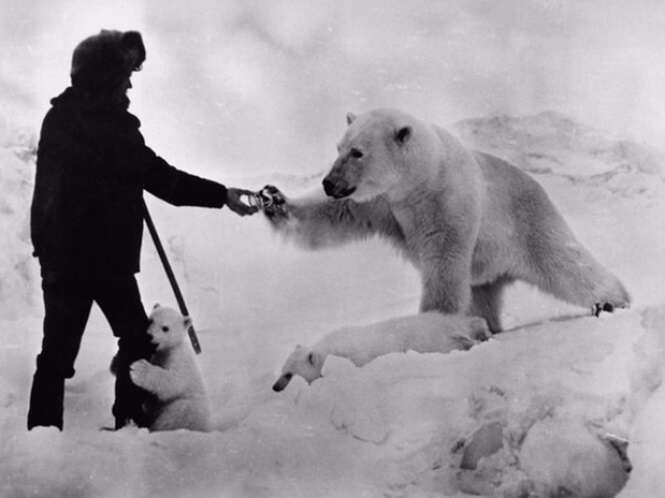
[304, 362]
[384, 151]
[167, 328]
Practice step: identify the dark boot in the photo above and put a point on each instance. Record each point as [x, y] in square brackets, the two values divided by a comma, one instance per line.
[46, 400]
[67, 306]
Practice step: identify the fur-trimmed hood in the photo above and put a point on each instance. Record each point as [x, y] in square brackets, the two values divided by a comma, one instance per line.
[101, 61]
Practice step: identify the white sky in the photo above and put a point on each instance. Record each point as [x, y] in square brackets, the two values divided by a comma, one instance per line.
[243, 87]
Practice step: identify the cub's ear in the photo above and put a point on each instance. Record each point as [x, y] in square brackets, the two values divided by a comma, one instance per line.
[350, 118]
[403, 135]
[187, 322]
[155, 306]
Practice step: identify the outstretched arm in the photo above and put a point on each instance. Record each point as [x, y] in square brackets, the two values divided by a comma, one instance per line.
[183, 189]
[320, 222]
[177, 187]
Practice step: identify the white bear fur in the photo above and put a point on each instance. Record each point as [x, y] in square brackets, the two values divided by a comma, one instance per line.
[470, 222]
[173, 376]
[430, 332]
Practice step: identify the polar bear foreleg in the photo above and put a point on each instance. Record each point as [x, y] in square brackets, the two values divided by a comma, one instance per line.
[157, 380]
[327, 223]
[445, 264]
[319, 223]
[446, 286]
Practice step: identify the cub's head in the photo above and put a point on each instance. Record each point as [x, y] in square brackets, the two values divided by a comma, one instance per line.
[167, 328]
[380, 153]
[304, 362]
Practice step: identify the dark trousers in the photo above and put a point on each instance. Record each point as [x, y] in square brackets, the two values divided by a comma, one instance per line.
[67, 302]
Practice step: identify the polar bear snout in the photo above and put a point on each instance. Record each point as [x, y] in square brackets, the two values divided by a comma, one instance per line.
[152, 340]
[338, 188]
[282, 382]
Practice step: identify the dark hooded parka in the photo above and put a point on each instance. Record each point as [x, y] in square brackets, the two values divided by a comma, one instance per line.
[93, 165]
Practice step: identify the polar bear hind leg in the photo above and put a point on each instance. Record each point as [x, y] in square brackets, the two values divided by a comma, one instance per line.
[561, 266]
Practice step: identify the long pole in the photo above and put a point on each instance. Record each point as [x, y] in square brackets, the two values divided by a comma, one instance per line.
[171, 276]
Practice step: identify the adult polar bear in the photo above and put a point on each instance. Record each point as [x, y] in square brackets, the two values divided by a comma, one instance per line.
[469, 221]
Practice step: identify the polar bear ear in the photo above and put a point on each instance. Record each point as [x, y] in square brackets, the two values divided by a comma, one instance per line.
[314, 359]
[350, 118]
[155, 306]
[402, 135]
[186, 322]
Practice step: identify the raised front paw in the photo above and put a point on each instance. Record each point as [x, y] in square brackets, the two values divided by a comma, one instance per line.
[274, 203]
[139, 372]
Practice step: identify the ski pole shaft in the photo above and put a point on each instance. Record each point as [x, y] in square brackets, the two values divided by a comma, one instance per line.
[169, 273]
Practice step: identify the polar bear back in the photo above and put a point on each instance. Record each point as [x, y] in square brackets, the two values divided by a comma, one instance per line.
[422, 333]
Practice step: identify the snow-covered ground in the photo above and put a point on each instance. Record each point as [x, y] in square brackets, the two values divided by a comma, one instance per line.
[543, 408]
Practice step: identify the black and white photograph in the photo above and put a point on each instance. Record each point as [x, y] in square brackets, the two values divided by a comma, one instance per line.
[332, 248]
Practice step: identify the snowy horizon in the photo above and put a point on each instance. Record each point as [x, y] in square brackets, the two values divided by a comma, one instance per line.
[232, 88]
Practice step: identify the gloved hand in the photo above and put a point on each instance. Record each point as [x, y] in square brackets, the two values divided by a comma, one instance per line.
[235, 203]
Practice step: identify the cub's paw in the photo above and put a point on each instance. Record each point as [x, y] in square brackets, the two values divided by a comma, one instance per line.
[139, 372]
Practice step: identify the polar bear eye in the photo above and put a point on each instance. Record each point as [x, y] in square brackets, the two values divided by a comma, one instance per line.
[165, 328]
[357, 153]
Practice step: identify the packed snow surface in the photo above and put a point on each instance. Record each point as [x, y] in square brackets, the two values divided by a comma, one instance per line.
[545, 408]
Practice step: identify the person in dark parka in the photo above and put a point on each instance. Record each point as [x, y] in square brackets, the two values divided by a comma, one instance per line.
[87, 220]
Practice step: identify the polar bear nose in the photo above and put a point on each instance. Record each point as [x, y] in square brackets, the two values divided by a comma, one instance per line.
[328, 186]
[282, 382]
[337, 189]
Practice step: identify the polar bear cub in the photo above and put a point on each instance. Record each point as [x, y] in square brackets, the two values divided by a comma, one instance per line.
[172, 375]
[430, 332]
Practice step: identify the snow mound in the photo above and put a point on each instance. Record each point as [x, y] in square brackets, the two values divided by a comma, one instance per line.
[647, 435]
[19, 283]
[559, 392]
[551, 143]
[543, 410]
